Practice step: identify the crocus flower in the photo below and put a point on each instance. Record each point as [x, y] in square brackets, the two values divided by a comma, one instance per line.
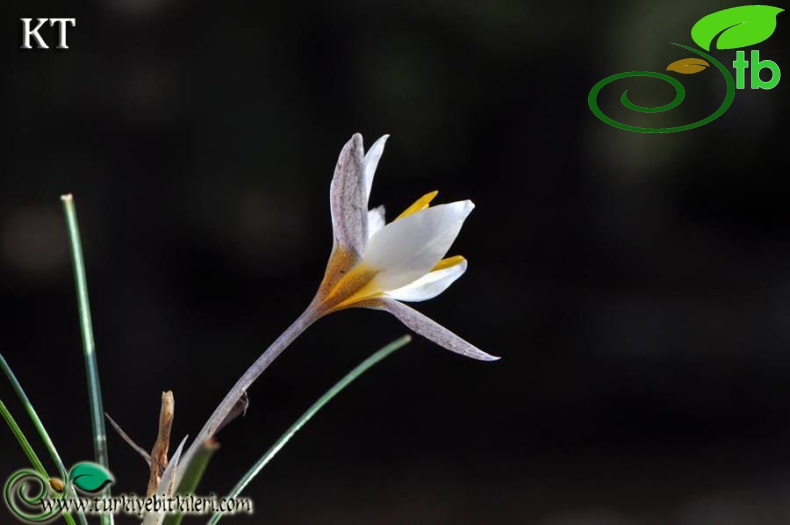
[372, 265]
[377, 265]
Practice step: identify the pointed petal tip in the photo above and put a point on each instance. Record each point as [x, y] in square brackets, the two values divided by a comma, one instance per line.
[373, 154]
[379, 144]
[475, 353]
[429, 329]
[432, 284]
[468, 350]
[490, 358]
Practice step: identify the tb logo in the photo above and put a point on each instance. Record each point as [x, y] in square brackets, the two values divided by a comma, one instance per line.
[733, 28]
[29, 33]
[741, 65]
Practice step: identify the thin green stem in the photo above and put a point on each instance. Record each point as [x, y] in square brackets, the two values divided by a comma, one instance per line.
[23, 441]
[42, 431]
[89, 347]
[318, 405]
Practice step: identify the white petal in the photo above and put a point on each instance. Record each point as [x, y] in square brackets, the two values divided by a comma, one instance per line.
[348, 198]
[372, 161]
[408, 248]
[430, 329]
[430, 285]
[376, 220]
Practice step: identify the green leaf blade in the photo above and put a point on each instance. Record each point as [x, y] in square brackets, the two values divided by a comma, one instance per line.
[738, 27]
[89, 477]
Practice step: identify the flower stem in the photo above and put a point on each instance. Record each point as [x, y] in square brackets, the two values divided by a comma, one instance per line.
[318, 405]
[308, 317]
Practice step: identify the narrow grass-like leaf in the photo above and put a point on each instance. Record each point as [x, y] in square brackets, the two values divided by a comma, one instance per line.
[28, 449]
[22, 439]
[318, 405]
[42, 431]
[89, 347]
[192, 476]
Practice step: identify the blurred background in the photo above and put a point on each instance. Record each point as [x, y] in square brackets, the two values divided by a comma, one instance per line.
[636, 286]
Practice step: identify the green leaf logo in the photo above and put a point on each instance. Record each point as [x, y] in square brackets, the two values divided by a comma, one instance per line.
[738, 26]
[89, 477]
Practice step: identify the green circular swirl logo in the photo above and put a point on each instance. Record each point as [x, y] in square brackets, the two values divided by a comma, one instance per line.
[25, 493]
[34, 498]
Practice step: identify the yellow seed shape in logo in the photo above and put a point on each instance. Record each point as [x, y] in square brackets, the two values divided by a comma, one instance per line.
[688, 66]
[57, 484]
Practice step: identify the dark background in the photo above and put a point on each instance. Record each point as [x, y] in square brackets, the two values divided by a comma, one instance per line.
[637, 286]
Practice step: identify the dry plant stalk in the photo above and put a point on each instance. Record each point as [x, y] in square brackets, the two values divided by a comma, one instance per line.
[162, 445]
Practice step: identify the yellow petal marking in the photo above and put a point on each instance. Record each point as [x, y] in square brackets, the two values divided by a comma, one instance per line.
[419, 205]
[358, 283]
[449, 262]
[355, 285]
